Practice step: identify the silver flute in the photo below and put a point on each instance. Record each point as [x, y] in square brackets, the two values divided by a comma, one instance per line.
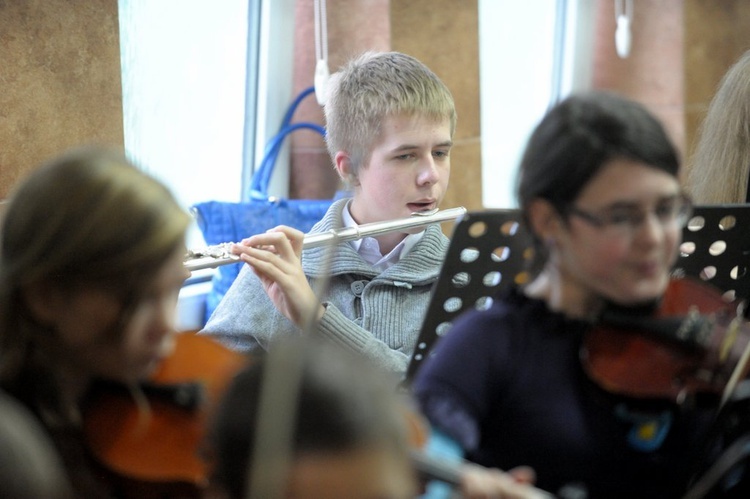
[221, 254]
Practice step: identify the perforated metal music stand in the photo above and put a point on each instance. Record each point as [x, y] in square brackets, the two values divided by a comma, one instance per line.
[489, 250]
[716, 248]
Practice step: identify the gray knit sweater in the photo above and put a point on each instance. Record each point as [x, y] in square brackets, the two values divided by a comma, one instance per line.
[376, 314]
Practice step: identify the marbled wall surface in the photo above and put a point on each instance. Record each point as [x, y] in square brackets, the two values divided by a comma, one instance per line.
[59, 80]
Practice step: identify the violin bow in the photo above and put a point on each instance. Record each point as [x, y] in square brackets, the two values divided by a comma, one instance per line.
[277, 411]
[739, 368]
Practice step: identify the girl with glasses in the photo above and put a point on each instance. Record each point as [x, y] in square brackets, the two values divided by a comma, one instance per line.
[600, 192]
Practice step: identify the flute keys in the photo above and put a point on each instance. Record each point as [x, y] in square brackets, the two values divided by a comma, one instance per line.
[222, 250]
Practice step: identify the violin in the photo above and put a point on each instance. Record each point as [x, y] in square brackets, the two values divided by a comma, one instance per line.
[154, 449]
[692, 342]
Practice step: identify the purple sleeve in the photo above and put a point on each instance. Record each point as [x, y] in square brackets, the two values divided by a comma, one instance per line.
[454, 387]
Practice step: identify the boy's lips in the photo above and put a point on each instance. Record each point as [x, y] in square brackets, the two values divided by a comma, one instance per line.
[421, 206]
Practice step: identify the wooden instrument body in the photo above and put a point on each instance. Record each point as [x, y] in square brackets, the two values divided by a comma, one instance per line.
[693, 343]
[158, 451]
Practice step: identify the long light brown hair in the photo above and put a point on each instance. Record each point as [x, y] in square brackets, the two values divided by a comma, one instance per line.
[88, 217]
[720, 166]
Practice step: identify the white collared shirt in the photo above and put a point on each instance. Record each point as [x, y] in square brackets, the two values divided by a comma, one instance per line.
[369, 248]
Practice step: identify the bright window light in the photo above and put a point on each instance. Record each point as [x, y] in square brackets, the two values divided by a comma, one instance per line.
[523, 69]
[183, 80]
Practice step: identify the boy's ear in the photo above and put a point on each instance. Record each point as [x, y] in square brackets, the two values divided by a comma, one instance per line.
[544, 219]
[344, 168]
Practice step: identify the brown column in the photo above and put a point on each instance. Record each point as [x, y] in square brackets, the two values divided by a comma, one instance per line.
[352, 28]
[653, 73]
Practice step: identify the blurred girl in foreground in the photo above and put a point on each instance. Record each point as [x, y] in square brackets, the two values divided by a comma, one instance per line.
[91, 264]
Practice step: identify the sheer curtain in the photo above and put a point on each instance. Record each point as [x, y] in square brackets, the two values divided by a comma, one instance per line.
[518, 86]
[184, 83]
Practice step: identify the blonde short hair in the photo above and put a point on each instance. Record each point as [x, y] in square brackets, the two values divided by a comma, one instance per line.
[370, 88]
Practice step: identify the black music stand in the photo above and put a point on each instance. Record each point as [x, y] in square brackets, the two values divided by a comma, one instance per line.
[489, 250]
[716, 248]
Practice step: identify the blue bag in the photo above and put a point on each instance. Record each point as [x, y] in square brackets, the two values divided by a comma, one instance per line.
[222, 222]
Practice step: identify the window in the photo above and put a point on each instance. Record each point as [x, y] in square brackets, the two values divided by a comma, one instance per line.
[184, 80]
[518, 86]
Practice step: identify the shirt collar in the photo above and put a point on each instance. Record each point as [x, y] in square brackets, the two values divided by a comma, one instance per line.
[369, 249]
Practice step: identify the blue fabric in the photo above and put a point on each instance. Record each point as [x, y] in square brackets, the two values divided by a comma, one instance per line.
[222, 222]
[441, 446]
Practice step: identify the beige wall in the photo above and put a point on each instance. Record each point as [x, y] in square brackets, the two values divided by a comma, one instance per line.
[59, 81]
[447, 40]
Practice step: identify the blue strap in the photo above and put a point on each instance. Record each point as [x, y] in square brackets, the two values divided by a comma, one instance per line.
[262, 177]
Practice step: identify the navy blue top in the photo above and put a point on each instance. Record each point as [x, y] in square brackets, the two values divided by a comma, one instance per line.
[507, 383]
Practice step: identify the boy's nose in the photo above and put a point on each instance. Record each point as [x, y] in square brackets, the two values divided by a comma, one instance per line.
[428, 172]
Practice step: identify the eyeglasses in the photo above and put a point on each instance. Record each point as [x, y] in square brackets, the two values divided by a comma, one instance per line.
[625, 220]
